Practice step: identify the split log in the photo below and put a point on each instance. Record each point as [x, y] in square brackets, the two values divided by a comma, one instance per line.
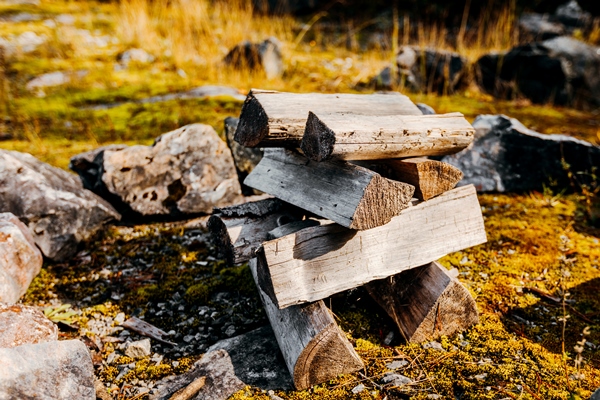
[238, 231]
[314, 348]
[347, 194]
[429, 177]
[351, 136]
[425, 302]
[277, 119]
[317, 262]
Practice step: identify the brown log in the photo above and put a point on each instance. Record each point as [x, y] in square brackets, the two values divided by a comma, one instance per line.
[425, 302]
[317, 262]
[277, 119]
[354, 136]
[347, 194]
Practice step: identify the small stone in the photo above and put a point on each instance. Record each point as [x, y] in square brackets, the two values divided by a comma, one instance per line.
[358, 388]
[481, 376]
[112, 357]
[136, 55]
[397, 364]
[139, 349]
[396, 379]
[230, 331]
[389, 338]
[434, 345]
[596, 395]
[21, 324]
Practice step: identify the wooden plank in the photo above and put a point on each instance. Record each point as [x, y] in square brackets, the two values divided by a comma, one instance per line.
[350, 195]
[313, 346]
[277, 119]
[425, 302]
[352, 136]
[317, 262]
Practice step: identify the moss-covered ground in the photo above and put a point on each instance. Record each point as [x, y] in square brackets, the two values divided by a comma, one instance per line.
[536, 281]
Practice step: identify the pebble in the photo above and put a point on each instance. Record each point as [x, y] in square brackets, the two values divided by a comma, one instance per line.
[397, 364]
[396, 379]
[139, 349]
[433, 345]
[358, 388]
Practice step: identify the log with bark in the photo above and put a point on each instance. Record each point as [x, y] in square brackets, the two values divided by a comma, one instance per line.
[353, 136]
[347, 194]
[425, 302]
[277, 119]
[317, 262]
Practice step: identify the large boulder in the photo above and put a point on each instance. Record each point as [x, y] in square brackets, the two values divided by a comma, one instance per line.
[20, 259]
[425, 70]
[245, 158]
[186, 171]
[50, 370]
[567, 18]
[507, 157]
[58, 211]
[265, 55]
[562, 70]
[21, 325]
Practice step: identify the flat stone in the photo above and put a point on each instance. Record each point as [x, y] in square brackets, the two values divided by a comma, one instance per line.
[139, 349]
[135, 55]
[186, 171]
[396, 379]
[20, 324]
[56, 78]
[50, 370]
[397, 364]
[53, 204]
[20, 259]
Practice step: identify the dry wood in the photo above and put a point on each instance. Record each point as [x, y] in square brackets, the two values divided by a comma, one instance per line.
[425, 302]
[347, 194]
[190, 390]
[317, 262]
[277, 119]
[352, 136]
[146, 329]
[313, 346]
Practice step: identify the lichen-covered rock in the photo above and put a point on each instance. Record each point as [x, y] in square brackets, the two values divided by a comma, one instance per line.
[58, 211]
[20, 259]
[50, 370]
[21, 325]
[507, 157]
[186, 171]
[245, 158]
[265, 55]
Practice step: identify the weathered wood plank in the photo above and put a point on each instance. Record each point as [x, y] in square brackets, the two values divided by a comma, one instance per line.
[352, 136]
[317, 262]
[425, 302]
[350, 195]
[313, 346]
[277, 119]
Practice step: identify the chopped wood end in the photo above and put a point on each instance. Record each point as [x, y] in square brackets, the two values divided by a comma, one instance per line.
[221, 239]
[254, 123]
[384, 196]
[432, 177]
[318, 140]
[326, 356]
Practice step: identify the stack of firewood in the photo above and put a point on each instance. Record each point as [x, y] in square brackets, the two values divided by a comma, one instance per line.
[355, 203]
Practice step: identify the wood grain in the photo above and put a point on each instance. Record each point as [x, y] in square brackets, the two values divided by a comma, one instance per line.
[354, 136]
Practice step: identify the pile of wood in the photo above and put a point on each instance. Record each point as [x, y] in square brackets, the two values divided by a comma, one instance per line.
[380, 220]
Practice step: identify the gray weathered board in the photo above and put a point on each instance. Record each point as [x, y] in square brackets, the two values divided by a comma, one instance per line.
[277, 119]
[354, 136]
[348, 194]
[317, 262]
[425, 302]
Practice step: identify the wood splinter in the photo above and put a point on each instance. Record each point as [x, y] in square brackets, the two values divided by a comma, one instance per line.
[347, 194]
[425, 302]
[352, 136]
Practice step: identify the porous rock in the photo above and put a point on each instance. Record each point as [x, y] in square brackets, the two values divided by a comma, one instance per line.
[265, 55]
[20, 259]
[58, 211]
[21, 325]
[561, 70]
[50, 370]
[187, 171]
[220, 383]
[507, 157]
[139, 349]
[245, 158]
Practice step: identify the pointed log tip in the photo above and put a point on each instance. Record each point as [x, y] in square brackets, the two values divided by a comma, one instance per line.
[318, 140]
[383, 200]
[253, 126]
[326, 356]
[220, 238]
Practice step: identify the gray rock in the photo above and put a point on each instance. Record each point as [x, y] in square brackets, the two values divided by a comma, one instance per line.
[21, 325]
[425, 70]
[434, 345]
[358, 388]
[507, 157]
[20, 259]
[397, 364]
[539, 26]
[595, 395]
[54, 79]
[221, 381]
[58, 211]
[572, 15]
[51, 370]
[257, 360]
[139, 349]
[135, 55]
[396, 379]
[265, 55]
[562, 70]
[20, 17]
[186, 171]
[426, 109]
[26, 42]
[245, 158]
